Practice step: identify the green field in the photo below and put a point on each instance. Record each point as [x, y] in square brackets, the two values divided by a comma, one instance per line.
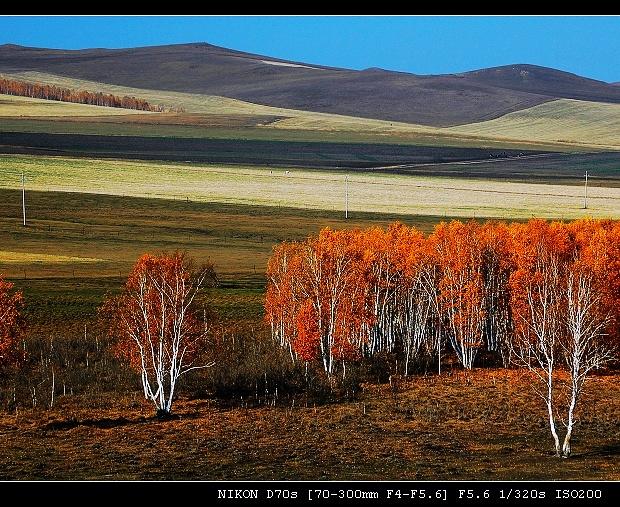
[309, 189]
[222, 118]
[215, 127]
[73, 235]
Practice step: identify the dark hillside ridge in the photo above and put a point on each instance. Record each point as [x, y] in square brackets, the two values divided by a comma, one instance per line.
[545, 81]
[438, 100]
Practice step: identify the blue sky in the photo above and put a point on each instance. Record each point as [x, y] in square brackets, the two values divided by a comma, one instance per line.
[589, 46]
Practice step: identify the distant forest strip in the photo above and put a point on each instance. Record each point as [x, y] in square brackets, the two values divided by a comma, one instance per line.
[52, 92]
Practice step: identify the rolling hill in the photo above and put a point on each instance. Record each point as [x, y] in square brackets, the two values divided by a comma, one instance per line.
[437, 100]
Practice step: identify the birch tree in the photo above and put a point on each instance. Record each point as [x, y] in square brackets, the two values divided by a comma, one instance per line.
[583, 348]
[461, 288]
[535, 346]
[560, 316]
[158, 326]
[541, 252]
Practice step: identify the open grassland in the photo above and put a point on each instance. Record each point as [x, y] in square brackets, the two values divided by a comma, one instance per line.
[310, 189]
[566, 121]
[245, 151]
[66, 228]
[480, 425]
[7, 257]
[13, 106]
[561, 124]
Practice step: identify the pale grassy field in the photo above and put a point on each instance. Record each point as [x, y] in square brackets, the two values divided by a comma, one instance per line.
[560, 121]
[9, 257]
[562, 124]
[309, 189]
[13, 106]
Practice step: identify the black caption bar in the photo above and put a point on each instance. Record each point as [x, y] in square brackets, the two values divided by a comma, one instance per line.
[421, 493]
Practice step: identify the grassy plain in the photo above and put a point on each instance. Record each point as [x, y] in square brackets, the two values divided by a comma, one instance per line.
[69, 227]
[309, 189]
[564, 121]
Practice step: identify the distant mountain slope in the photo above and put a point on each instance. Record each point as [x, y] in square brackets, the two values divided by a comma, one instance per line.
[441, 100]
[545, 81]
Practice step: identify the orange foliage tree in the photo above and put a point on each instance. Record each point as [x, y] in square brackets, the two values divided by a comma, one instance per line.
[356, 293]
[329, 270]
[543, 295]
[541, 252]
[560, 313]
[11, 322]
[53, 92]
[315, 301]
[496, 266]
[458, 250]
[158, 324]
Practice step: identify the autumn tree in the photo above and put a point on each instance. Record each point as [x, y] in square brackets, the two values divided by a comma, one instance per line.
[316, 298]
[11, 322]
[560, 316]
[583, 349]
[496, 267]
[416, 298]
[381, 277]
[541, 251]
[461, 287]
[53, 92]
[282, 299]
[598, 242]
[158, 323]
[328, 278]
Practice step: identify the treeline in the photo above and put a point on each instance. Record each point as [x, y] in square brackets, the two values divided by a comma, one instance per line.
[52, 92]
[510, 290]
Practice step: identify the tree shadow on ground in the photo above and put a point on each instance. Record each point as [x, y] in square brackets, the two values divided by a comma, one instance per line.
[603, 450]
[108, 423]
[103, 423]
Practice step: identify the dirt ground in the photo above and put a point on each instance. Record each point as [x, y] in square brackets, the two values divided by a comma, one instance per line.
[485, 425]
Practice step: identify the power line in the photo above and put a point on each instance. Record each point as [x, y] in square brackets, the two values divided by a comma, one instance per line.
[346, 196]
[24, 198]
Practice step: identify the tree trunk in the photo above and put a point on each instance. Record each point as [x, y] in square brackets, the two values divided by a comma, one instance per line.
[556, 439]
[162, 414]
[566, 447]
[571, 421]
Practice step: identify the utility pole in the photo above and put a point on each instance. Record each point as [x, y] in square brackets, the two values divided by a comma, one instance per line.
[24, 198]
[585, 195]
[346, 196]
